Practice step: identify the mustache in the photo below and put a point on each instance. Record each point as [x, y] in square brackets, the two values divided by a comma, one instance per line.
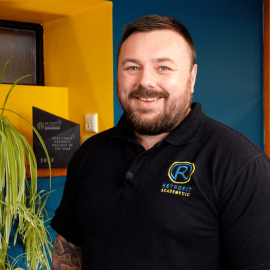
[147, 93]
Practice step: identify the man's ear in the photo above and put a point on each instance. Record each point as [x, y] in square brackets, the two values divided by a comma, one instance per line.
[193, 76]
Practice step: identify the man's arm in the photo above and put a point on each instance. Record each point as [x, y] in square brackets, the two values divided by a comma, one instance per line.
[66, 256]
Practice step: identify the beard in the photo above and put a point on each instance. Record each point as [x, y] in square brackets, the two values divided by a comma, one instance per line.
[173, 114]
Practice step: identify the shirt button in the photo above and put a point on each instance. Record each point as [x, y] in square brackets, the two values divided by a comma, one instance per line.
[129, 175]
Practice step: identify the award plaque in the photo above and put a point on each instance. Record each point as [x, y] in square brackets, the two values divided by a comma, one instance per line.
[61, 137]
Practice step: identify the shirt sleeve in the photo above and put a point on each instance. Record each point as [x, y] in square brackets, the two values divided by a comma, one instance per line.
[65, 222]
[245, 218]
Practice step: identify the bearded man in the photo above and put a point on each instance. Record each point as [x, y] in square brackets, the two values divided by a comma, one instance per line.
[168, 187]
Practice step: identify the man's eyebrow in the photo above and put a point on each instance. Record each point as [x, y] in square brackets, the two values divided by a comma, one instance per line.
[132, 60]
[157, 60]
[164, 59]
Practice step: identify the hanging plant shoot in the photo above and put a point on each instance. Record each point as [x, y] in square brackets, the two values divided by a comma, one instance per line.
[20, 202]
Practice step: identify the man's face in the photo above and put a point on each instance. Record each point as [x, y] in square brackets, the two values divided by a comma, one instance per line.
[155, 80]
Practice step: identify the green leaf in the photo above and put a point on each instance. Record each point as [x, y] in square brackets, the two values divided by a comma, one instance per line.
[11, 88]
[39, 137]
[15, 152]
[2, 74]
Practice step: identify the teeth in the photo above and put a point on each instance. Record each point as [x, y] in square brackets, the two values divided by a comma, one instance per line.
[148, 99]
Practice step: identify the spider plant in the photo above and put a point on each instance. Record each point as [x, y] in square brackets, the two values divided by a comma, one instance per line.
[20, 203]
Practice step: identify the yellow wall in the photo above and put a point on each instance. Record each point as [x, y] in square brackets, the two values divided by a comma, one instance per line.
[22, 98]
[78, 61]
[42, 11]
[78, 54]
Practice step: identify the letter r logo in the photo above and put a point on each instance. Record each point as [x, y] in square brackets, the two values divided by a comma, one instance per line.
[180, 172]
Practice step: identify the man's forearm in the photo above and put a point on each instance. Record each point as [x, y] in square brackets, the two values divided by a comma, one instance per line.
[66, 255]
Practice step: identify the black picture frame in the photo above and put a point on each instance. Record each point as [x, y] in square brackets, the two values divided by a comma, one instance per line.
[38, 29]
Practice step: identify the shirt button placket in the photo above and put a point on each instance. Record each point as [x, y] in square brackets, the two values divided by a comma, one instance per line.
[134, 169]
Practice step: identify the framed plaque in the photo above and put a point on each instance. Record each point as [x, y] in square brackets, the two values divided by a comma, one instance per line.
[61, 137]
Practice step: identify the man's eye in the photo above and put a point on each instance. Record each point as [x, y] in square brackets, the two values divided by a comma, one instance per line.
[133, 68]
[163, 68]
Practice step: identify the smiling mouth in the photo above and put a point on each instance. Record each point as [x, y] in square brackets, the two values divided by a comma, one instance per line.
[147, 99]
[148, 95]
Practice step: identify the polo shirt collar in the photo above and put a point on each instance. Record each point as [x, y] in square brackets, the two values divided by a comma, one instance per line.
[184, 133]
[122, 129]
[188, 129]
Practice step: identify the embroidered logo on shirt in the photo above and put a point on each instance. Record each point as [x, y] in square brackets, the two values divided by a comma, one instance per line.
[176, 189]
[180, 172]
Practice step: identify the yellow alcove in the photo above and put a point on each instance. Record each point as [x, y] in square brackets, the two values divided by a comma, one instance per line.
[78, 61]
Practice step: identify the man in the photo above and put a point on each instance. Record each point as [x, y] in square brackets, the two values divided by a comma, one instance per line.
[168, 187]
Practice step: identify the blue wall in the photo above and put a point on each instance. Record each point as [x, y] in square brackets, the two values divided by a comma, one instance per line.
[228, 37]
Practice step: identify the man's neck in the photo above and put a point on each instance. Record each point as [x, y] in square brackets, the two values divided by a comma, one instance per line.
[148, 141]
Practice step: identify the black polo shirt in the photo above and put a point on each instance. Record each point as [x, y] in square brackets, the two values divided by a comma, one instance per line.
[199, 199]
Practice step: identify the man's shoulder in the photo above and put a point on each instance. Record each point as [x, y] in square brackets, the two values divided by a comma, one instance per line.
[228, 141]
[95, 146]
[98, 141]
[226, 152]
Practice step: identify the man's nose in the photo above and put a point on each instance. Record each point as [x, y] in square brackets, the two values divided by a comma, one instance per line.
[148, 78]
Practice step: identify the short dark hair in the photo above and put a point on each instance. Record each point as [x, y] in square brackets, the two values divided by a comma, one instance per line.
[157, 22]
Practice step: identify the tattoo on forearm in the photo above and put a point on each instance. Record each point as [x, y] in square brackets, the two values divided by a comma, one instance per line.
[66, 256]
